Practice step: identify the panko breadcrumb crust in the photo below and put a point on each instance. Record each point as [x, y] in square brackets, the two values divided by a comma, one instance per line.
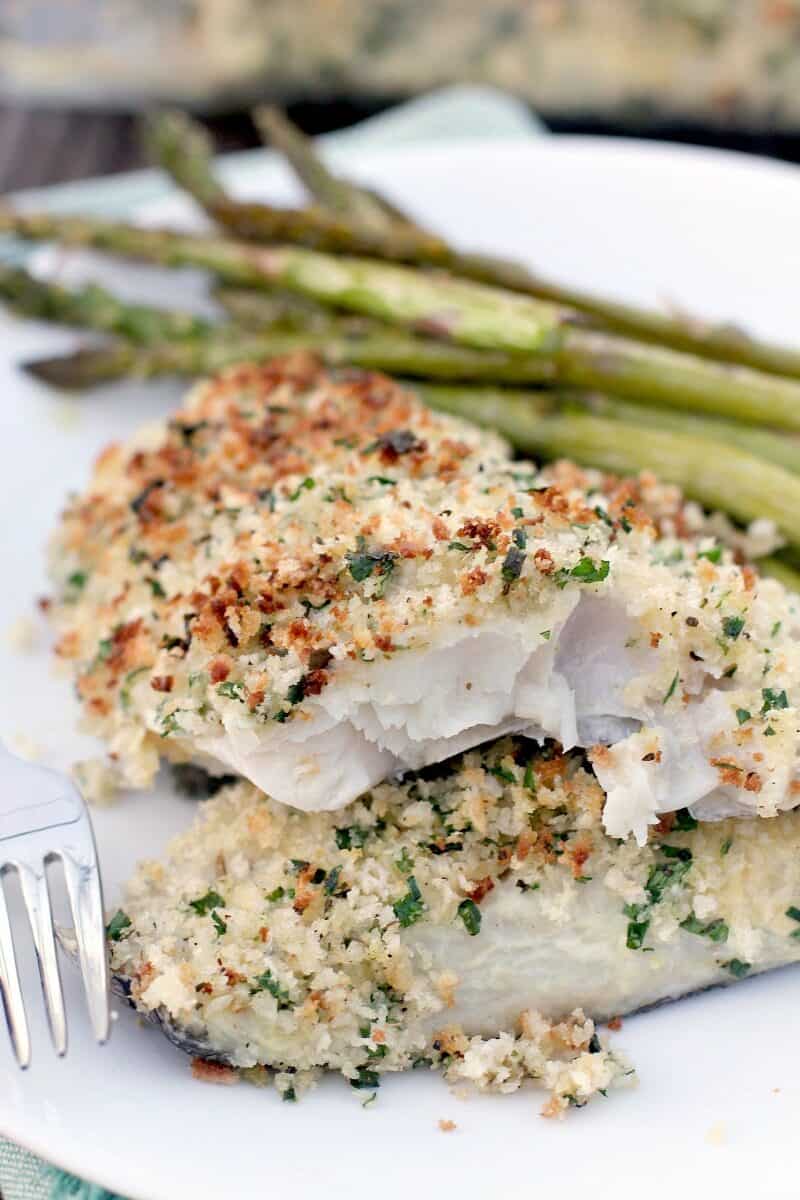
[271, 938]
[288, 525]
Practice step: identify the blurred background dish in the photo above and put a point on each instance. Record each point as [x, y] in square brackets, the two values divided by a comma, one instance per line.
[718, 71]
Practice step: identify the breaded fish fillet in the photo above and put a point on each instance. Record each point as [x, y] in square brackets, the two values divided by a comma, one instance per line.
[440, 911]
[315, 581]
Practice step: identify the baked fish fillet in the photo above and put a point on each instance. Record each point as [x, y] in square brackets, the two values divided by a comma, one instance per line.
[435, 918]
[314, 581]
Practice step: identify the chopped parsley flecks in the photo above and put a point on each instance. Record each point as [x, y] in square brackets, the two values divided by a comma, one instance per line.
[742, 715]
[410, 908]
[732, 627]
[233, 691]
[671, 689]
[332, 880]
[585, 571]
[405, 863]
[679, 852]
[471, 916]
[716, 930]
[363, 562]
[366, 1078]
[206, 903]
[684, 821]
[117, 925]
[503, 774]
[638, 926]
[351, 837]
[662, 877]
[125, 690]
[266, 982]
[77, 580]
[793, 913]
[738, 968]
[725, 847]
[307, 485]
[773, 699]
[218, 923]
[713, 555]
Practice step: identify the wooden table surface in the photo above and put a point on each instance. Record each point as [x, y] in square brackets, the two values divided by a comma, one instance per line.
[40, 147]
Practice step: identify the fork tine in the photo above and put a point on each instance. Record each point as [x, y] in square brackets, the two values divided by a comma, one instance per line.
[10, 990]
[36, 895]
[86, 902]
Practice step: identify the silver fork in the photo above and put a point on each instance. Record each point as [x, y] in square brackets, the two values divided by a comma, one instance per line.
[43, 818]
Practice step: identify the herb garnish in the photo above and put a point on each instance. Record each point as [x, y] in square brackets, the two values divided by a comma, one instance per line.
[206, 903]
[409, 909]
[306, 486]
[773, 699]
[737, 968]
[716, 930]
[585, 571]
[266, 982]
[117, 925]
[671, 689]
[351, 837]
[362, 562]
[77, 580]
[793, 913]
[471, 916]
[732, 627]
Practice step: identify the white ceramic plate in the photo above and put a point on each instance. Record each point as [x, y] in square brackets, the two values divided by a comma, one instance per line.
[719, 1096]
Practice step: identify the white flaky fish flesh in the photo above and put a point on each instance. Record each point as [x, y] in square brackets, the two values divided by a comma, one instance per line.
[315, 582]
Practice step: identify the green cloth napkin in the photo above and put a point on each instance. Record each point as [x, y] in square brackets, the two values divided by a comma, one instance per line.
[448, 114]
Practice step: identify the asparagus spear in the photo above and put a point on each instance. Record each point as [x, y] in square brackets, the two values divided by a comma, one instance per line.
[260, 310]
[334, 234]
[92, 307]
[777, 569]
[330, 191]
[183, 148]
[730, 479]
[387, 350]
[360, 223]
[409, 244]
[467, 313]
[780, 448]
